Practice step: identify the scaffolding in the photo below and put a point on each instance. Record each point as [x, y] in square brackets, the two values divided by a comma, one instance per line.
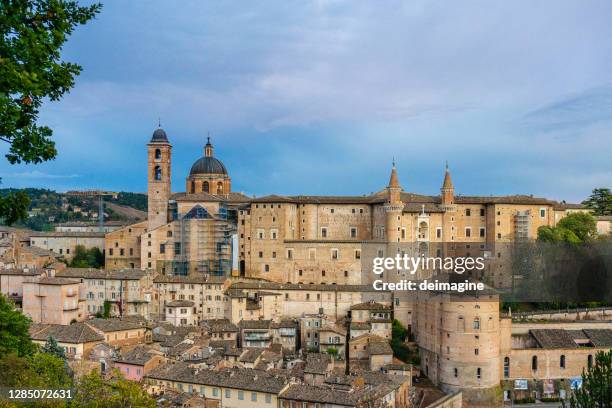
[522, 223]
[202, 243]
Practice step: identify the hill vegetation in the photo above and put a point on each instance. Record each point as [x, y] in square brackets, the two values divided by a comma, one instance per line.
[48, 207]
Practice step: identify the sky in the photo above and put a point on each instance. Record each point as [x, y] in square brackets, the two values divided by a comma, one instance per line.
[319, 97]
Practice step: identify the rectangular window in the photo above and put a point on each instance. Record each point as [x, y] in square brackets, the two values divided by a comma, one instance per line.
[468, 232]
[241, 395]
[289, 253]
[323, 232]
[482, 232]
[438, 232]
[228, 393]
[162, 248]
[353, 232]
[268, 399]
[358, 254]
[253, 396]
[542, 212]
[468, 212]
[215, 392]
[334, 254]
[177, 248]
[482, 212]
[312, 253]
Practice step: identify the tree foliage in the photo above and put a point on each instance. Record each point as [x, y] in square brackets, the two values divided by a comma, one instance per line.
[32, 33]
[87, 258]
[574, 228]
[596, 391]
[14, 336]
[93, 391]
[51, 347]
[600, 201]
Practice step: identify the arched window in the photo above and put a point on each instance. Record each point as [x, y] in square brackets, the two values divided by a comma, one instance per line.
[534, 363]
[506, 367]
[219, 188]
[205, 187]
[193, 186]
[562, 361]
[157, 154]
[158, 173]
[590, 361]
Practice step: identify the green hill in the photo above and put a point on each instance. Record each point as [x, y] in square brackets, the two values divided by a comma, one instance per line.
[49, 207]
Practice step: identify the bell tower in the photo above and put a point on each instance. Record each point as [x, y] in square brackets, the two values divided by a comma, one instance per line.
[447, 192]
[393, 207]
[158, 176]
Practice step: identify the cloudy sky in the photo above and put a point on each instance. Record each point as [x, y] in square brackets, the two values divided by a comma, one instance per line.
[318, 97]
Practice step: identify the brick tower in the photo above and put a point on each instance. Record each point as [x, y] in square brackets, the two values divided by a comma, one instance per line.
[158, 175]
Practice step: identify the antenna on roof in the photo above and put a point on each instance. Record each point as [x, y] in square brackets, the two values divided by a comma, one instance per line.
[158, 122]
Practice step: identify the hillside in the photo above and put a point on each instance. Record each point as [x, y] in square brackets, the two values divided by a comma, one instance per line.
[49, 207]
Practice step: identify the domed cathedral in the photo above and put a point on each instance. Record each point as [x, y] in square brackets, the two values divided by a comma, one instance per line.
[208, 175]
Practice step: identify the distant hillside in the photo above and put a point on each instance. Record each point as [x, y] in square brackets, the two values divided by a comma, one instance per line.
[49, 207]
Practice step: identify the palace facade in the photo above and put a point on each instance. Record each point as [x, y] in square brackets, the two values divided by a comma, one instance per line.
[211, 230]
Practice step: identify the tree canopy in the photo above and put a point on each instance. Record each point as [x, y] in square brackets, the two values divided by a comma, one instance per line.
[51, 347]
[574, 228]
[32, 33]
[87, 258]
[600, 201]
[93, 391]
[14, 336]
[596, 390]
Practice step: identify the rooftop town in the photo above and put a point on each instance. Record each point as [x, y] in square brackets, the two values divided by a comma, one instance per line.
[223, 300]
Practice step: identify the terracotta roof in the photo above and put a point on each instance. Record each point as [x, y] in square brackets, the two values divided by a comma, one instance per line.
[57, 281]
[301, 287]
[599, 337]
[139, 355]
[92, 273]
[361, 326]
[379, 348]
[219, 325]
[317, 363]
[255, 324]
[235, 378]
[114, 324]
[189, 279]
[251, 355]
[61, 234]
[22, 272]
[75, 333]
[320, 394]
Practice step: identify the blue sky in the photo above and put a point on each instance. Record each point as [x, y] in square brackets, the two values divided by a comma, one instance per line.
[318, 97]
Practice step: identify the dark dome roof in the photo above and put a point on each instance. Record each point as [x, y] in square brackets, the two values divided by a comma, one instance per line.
[207, 165]
[159, 136]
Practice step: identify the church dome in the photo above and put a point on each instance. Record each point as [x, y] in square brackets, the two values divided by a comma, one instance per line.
[208, 164]
[159, 136]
